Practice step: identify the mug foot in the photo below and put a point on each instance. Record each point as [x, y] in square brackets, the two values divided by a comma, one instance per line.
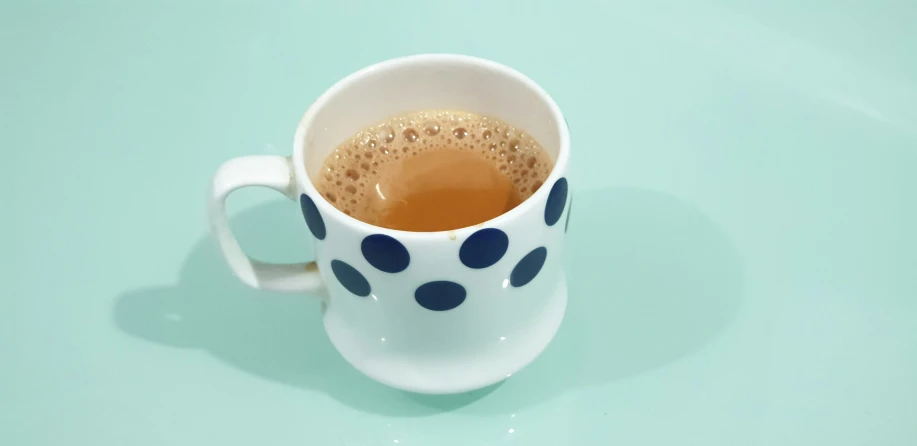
[447, 376]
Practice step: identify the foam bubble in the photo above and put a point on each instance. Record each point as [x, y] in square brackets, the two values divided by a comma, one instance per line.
[358, 165]
[386, 133]
[431, 127]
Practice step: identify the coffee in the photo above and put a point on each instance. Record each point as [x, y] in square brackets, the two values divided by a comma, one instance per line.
[433, 170]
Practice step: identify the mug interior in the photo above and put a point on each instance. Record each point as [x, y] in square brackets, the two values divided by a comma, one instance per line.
[426, 82]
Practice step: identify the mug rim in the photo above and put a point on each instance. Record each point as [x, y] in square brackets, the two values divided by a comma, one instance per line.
[301, 176]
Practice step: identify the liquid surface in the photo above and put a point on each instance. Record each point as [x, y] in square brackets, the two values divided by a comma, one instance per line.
[433, 170]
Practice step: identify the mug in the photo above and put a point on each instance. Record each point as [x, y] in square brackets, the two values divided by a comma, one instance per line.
[427, 312]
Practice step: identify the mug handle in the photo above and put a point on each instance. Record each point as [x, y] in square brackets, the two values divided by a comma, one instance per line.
[275, 172]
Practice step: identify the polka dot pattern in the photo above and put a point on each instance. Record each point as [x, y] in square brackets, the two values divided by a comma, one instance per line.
[528, 267]
[557, 198]
[441, 295]
[313, 218]
[385, 253]
[350, 278]
[484, 248]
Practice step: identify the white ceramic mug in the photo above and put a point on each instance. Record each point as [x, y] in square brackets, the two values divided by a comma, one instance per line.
[429, 312]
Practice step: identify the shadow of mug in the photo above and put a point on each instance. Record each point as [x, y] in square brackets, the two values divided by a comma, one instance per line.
[650, 280]
[275, 336]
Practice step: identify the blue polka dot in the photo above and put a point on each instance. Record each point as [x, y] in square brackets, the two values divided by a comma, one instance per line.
[528, 267]
[313, 219]
[385, 253]
[484, 248]
[350, 278]
[440, 295]
[557, 198]
[569, 211]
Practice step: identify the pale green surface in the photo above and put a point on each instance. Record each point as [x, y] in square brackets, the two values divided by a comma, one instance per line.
[742, 252]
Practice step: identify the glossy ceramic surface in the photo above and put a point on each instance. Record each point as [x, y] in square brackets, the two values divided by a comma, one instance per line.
[740, 258]
[439, 312]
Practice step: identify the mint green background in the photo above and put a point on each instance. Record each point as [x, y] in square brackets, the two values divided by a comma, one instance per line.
[741, 257]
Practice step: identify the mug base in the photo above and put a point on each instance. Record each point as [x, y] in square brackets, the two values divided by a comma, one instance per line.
[462, 374]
